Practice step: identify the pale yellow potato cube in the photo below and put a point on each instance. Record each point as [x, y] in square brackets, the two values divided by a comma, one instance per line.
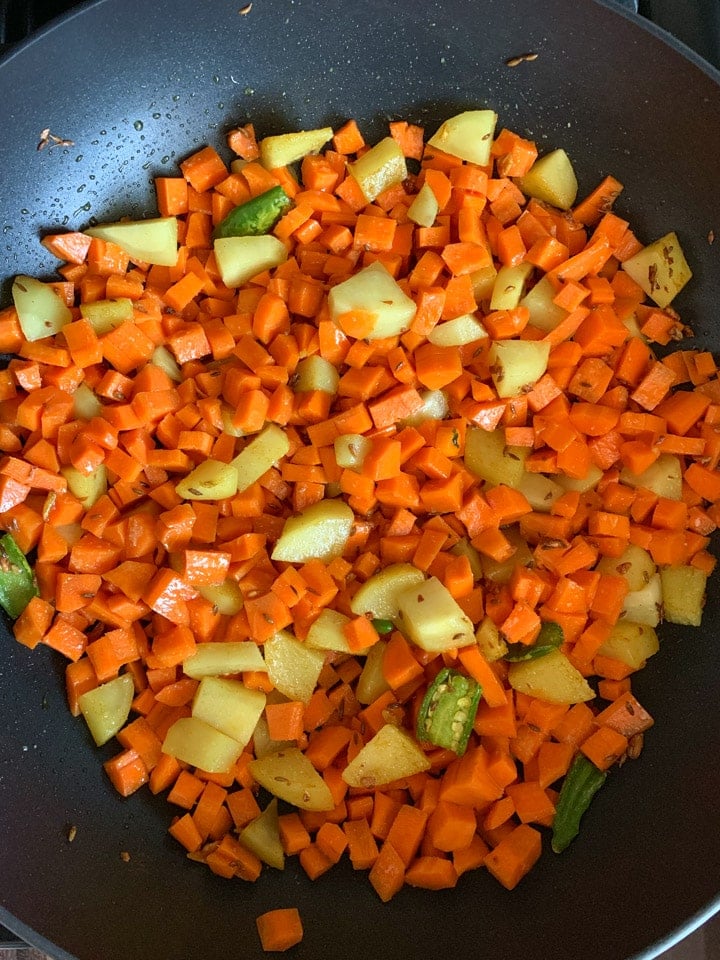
[224, 659]
[552, 179]
[683, 594]
[381, 167]
[551, 677]
[193, 741]
[152, 241]
[289, 775]
[374, 291]
[390, 755]
[239, 259]
[320, 531]
[660, 269]
[378, 596]
[468, 135]
[631, 643]
[261, 453]
[431, 618]
[293, 667]
[287, 148]
[41, 312]
[107, 707]
[229, 706]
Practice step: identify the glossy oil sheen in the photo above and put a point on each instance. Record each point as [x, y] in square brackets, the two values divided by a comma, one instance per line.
[139, 85]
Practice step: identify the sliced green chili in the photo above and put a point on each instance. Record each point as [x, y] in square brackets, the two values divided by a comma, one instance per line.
[17, 583]
[256, 216]
[579, 787]
[383, 626]
[448, 710]
[550, 638]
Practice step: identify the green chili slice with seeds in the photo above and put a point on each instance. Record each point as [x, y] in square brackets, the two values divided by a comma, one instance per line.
[17, 583]
[448, 711]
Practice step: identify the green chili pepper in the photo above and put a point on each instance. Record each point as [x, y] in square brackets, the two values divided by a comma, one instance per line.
[550, 638]
[383, 626]
[448, 710]
[256, 216]
[17, 583]
[579, 787]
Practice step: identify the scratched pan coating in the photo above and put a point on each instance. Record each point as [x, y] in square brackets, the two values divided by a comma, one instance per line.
[137, 86]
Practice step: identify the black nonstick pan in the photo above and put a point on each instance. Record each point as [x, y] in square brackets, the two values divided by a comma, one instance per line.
[139, 85]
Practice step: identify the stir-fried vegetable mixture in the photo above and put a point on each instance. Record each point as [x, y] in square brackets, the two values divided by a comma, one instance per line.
[354, 492]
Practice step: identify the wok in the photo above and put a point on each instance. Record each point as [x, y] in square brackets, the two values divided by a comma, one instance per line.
[137, 86]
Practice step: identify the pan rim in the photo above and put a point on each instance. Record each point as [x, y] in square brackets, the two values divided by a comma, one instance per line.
[713, 907]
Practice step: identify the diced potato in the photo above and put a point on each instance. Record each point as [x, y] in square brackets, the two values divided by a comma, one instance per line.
[431, 618]
[516, 365]
[107, 707]
[326, 633]
[467, 135]
[319, 531]
[315, 373]
[483, 281]
[41, 312]
[487, 456]
[552, 179]
[424, 207]
[224, 659]
[491, 644]
[229, 706]
[664, 477]
[683, 594]
[634, 564]
[660, 269]
[262, 453]
[226, 597]
[210, 480]
[88, 488]
[262, 837]
[289, 775]
[500, 571]
[509, 287]
[106, 315]
[195, 742]
[544, 314]
[293, 667]
[645, 605]
[581, 485]
[631, 643]
[378, 596]
[551, 677]
[463, 548]
[371, 682]
[390, 755]
[458, 331]
[435, 406]
[239, 259]
[151, 241]
[351, 449]
[86, 403]
[374, 291]
[540, 491]
[287, 148]
[381, 167]
[163, 359]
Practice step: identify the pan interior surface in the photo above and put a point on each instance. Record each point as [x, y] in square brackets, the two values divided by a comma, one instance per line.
[137, 87]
